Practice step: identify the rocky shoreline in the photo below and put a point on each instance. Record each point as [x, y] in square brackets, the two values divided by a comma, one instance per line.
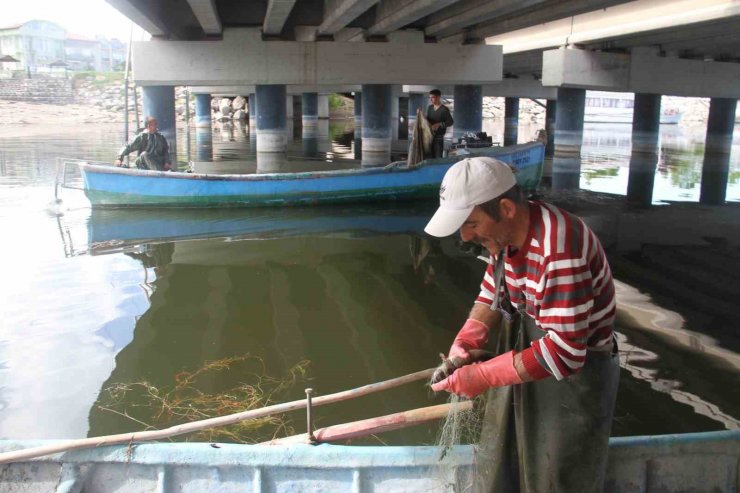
[101, 101]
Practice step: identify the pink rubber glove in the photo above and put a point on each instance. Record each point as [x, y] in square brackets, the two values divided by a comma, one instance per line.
[471, 380]
[472, 335]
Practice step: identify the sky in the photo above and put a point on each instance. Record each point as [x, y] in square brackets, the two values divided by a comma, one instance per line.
[86, 17]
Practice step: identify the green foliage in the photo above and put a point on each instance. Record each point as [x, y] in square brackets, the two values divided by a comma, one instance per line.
[98, 78]
[335, 101]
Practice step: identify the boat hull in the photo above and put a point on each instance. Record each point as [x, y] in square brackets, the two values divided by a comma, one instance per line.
[688, 462]
[108, 186]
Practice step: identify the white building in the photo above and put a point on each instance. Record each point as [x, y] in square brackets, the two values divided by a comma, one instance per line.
[34, 43]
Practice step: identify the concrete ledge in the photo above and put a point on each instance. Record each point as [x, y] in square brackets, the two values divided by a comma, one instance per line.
[642, 71]
[242, 58]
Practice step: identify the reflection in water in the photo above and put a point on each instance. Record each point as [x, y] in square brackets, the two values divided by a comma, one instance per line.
[360, 291]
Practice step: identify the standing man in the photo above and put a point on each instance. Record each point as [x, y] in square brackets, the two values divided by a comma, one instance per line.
[154, 152]
[440, 119]
[547, 299]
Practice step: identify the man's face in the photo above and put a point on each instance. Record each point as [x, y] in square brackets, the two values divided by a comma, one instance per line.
[482, 229]
[151, 126]
[434, 99]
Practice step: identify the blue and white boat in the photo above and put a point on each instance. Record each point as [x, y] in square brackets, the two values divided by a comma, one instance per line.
[647, 464]
[108, 186]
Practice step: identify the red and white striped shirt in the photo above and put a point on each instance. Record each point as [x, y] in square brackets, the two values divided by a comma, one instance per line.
[562, 276]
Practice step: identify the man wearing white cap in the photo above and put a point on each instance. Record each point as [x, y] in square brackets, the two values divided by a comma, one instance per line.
[547, 299]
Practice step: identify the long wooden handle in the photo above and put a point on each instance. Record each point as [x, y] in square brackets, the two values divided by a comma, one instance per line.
[142, 436]
[365, 427]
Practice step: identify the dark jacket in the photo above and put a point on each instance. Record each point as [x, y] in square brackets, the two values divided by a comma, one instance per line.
[440, 115]
[154, 144]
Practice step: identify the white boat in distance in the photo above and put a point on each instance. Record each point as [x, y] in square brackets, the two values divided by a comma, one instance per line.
[617, 107]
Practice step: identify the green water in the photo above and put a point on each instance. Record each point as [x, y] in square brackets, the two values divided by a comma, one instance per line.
[92, 300]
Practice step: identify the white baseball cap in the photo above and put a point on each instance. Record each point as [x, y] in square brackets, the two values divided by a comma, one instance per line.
[470, 182]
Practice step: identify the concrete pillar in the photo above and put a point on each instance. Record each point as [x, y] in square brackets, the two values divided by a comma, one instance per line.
[417, 100]
[252, 110]
[323, 104]
[644, 157]
[159, 102]
[310, 107]
[566, 166]
[550, 113]
[272, 140]
[310, 118]
[376, 124]
[395, 107]
[468, 109]
[289, 106]
[204, 144]
[202, 110]
[716, 168]
[511, 121]
[358, 108]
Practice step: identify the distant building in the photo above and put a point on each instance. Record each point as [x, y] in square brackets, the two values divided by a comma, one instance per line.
[37, 44]
[98, 54]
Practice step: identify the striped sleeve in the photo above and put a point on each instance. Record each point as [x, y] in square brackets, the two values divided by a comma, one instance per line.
[487, 287]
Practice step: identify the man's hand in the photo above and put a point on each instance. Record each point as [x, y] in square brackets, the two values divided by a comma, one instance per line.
[117, 162]
[167, 167]
[471, 380]
[435, 126]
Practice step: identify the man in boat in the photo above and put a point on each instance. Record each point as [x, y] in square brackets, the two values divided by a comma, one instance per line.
[547, 303]
[440, 119]
[152, 147]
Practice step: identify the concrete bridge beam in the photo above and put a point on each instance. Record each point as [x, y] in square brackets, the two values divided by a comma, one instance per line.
[276, 15]
[207, 15]
[642, 71]
[339, 13]
[394, 14]
[243, 58]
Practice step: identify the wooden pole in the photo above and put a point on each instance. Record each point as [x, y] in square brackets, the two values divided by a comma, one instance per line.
[380, 424]
[142, 436]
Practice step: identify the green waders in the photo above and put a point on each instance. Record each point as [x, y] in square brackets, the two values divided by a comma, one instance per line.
[546, 436]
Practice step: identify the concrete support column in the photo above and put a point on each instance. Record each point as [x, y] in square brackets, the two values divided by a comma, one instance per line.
[252, 110]
[289, 106]
[323, 105]
[310, 118]
[358, 108]
[159, 102]
[417, 101]
[511, 121]
[310, 107]
[202, 110]
[716, 168]
[644, 157]
[566, 166]
[204, 144]
[272, 140]
[550, 113]
[468, 109]
[376, 124]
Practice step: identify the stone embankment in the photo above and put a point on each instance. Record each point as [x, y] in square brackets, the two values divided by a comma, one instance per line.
[100, 99]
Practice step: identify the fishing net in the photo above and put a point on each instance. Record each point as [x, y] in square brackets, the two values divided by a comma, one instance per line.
[461, 426]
